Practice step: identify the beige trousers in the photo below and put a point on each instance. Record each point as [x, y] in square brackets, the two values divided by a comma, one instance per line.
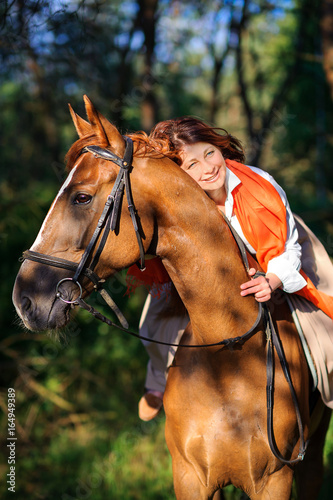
[317, 326]
[156, 325]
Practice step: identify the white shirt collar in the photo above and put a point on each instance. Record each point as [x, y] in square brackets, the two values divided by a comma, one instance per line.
[231, 181]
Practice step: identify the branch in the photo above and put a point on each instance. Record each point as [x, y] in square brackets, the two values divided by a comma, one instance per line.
[326, 25]
[219, 62]
[240, 70]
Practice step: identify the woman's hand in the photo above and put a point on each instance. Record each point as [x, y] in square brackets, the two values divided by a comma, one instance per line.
[262, 287]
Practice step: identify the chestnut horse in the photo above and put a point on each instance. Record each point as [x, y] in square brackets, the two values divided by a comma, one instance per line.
[215, 400]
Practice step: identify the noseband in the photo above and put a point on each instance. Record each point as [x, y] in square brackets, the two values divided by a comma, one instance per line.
[108, 222]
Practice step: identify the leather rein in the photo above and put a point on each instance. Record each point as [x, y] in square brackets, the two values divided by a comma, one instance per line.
[108, 222]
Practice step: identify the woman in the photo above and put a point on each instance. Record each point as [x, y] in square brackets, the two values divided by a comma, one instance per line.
[265, 223]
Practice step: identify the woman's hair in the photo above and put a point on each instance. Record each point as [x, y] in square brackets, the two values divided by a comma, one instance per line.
[189, 130]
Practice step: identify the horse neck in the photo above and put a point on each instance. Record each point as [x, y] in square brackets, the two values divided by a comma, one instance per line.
[204, 263]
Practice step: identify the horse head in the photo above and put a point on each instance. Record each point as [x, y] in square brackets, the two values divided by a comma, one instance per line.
[70, 224]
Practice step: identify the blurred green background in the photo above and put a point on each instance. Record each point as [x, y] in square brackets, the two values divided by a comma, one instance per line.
[262, 70]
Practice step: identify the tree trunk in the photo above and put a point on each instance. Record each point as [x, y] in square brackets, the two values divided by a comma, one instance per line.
[148, 18]
[327, 40]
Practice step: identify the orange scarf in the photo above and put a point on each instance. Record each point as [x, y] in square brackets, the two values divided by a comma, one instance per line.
[154, 277]
[262, 216]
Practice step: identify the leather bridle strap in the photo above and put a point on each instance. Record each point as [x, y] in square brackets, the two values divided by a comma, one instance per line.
[274, 341]
[229, 342]
[72, 266]
[107, 220]
[62, 264]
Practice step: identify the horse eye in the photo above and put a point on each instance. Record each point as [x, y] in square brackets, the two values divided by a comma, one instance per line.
[82, 199]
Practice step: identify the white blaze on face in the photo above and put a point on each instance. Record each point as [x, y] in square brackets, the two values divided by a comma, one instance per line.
[40, 237]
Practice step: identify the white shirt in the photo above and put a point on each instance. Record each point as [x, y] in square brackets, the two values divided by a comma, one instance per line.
[286, 265]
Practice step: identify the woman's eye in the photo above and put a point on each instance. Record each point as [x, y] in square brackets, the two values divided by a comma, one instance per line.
[210, 152]
[82, 199]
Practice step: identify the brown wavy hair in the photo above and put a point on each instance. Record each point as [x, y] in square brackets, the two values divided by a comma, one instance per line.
[166, 139]
[190, 130]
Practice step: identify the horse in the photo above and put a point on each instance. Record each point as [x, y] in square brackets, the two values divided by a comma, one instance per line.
[215, 399]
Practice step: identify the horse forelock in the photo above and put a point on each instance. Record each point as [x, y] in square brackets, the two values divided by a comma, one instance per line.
[76, 148]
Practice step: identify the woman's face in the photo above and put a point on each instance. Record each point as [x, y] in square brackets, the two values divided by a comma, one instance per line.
[205, 164]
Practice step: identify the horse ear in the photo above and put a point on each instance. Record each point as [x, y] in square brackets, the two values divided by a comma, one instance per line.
[93, 118]
[114, 137]
[82, 127]
[106, 131]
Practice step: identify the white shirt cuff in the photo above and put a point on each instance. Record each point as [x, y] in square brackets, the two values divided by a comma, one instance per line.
[285, 269]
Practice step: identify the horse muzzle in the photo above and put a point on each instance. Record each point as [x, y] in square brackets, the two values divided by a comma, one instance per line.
[42, 297]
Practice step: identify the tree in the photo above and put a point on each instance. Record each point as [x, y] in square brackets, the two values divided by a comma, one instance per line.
[251, 66]
[327, 40]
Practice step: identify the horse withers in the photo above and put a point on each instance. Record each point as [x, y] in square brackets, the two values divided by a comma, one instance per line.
[215, 399]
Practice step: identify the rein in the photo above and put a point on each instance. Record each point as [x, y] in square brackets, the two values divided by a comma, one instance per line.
[107, 223]
[226, 342]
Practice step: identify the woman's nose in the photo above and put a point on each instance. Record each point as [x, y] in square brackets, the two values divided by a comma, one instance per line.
[207, 167]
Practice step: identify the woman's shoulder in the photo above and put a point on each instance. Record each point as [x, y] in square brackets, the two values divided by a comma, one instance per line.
[261, 172]
[270, 179]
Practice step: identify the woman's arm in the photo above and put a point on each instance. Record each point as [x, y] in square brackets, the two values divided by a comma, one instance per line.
[282, 271]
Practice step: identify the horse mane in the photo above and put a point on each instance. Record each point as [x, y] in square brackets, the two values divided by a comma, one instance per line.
[153, 148]
[144, 146]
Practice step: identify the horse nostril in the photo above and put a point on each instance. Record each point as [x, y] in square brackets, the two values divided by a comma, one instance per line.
[26, 304]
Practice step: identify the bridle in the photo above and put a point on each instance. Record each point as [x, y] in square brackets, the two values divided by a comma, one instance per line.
[107, 223]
